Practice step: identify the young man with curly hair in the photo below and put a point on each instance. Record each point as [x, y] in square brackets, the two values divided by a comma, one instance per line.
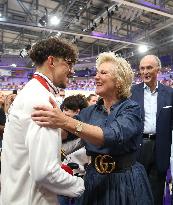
[31, 155]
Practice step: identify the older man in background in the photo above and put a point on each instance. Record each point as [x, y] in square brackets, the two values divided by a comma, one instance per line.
[156, 101]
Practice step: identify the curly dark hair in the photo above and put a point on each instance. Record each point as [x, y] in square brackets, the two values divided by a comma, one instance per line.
[75, 102]
[53, 46]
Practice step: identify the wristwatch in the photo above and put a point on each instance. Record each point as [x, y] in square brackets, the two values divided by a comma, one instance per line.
[78, 128]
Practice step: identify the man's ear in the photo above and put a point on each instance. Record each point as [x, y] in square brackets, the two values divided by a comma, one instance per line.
[77, 111]
[50, 60]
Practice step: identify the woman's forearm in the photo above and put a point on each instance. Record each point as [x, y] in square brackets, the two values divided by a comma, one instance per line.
[93, 134]
[55, 118]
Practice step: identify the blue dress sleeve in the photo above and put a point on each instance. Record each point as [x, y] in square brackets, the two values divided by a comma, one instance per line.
[123, 125]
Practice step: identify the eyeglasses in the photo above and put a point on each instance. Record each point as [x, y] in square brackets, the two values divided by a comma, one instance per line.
[69, 62]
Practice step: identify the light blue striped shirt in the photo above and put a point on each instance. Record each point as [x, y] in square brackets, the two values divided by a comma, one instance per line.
[150, 107]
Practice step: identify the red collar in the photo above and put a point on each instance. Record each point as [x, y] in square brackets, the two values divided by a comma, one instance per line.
[42, 81]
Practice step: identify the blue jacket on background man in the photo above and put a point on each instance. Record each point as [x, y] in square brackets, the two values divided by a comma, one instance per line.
[164, 121]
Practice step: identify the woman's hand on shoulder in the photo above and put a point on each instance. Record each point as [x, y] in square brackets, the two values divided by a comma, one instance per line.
[47, 116]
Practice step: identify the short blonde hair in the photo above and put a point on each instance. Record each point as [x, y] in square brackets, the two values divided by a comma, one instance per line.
[122, 73]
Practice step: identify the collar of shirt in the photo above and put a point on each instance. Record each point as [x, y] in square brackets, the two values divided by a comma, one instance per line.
[100, 104]
[147, 88]
[52, 88]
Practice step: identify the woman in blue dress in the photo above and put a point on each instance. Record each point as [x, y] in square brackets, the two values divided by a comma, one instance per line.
[112, 132]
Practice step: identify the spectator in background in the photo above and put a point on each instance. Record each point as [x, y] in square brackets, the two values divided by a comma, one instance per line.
[8, 101]
[2, 98]
[31, 155]
[5, 103]
[2, 124]
[2, 116]
[111, 131]
[156, 101]
[60, 95]
[92, 99]
[71, 106]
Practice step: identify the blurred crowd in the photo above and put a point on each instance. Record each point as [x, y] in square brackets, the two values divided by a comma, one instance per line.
[165, 77]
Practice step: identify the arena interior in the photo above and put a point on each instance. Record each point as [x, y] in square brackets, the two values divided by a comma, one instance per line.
[129, 28]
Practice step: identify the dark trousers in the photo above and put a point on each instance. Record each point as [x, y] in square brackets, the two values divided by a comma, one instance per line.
[156, 179]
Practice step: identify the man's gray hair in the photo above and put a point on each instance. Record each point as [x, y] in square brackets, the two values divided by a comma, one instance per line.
[158, 61]
[156, 58]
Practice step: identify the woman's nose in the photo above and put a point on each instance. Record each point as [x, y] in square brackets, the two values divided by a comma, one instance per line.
[97, 76]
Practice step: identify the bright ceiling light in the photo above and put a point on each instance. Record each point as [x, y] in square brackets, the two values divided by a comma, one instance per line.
[54, 21]
[0, 14]
[142, 48]
[13, 65]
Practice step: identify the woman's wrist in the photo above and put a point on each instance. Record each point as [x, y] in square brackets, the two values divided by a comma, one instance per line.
[66, 122]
